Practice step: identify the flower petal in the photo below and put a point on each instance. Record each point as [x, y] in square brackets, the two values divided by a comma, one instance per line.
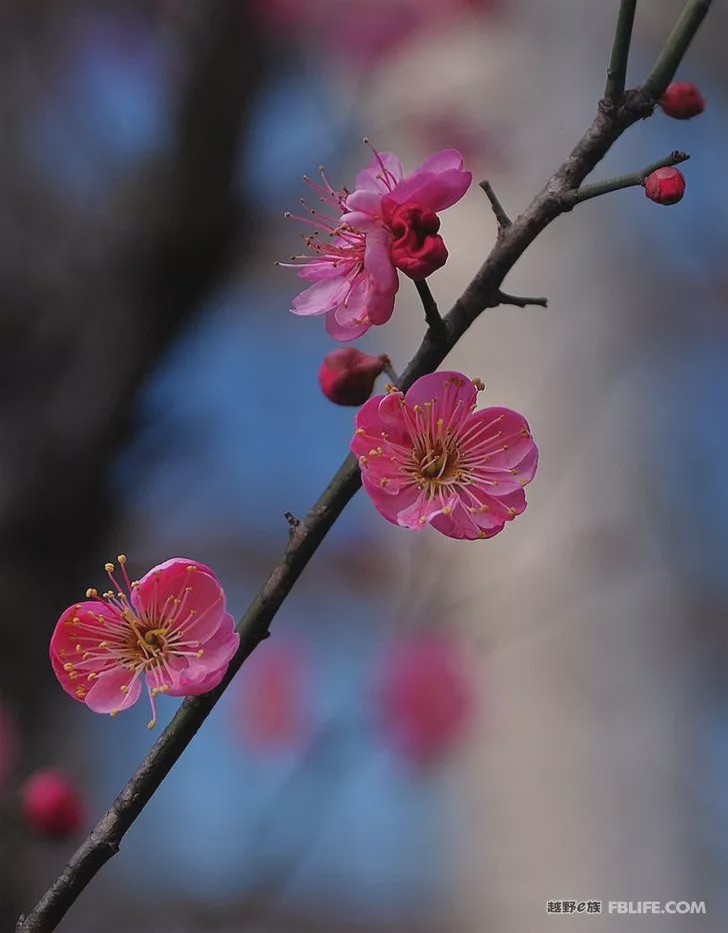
[382, 174]
[321, 297]
[437, 184]
[106, 695]
[183, 595]
[453, 394]
[345, 331]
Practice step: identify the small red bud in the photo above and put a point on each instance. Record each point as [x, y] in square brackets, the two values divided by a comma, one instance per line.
[665, 186]
[51, 804]
[347, 376]
[682, 100]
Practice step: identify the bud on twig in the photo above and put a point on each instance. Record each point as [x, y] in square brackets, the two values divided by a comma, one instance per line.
[665, 186]
[347, 376]
[682, 100]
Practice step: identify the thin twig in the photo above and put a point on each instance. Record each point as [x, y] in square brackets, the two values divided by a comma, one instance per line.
[501, 218]
[675, 48]
[514, 239]
[617, 71]
[624, 181]
[502, 298]
[435, 322]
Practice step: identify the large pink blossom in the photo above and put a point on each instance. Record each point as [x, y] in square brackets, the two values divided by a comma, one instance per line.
[428, 457]
[170, 630]
[388, 222]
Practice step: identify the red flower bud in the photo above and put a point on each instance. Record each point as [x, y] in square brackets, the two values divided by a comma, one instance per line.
[417, 250]
[665, 186]
[51, 804]
[347, 376]
[682, 100]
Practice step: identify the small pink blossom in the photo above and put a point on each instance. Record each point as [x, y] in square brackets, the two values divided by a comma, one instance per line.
[406, 206]
[428, 457]
[389, 222]
[169, 630]
[423, 695]
[51, 804]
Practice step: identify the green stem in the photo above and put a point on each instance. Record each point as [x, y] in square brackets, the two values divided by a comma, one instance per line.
[675, 48]
[617, 71]
[624, 181]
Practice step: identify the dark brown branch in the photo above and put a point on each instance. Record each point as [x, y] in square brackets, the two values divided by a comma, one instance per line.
[432, 313]
[517, 301]
[609, 124]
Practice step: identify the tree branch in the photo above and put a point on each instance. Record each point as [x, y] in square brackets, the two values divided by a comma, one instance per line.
[432, 314]
[625, 181]
[617, 71]
[502, 298]
[675, 48]
[609, 124]
[501, 218]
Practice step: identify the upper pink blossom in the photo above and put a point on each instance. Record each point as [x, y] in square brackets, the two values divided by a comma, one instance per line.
[428, 457]
[388, 222]
[170, 630]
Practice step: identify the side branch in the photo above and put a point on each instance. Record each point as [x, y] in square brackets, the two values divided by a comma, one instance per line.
[675, 48]
[624, 181]
[617, 71]
[432, 313]
[501, 218]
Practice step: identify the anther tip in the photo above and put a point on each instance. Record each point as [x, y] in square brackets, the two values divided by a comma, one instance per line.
[121, 558]
[151, 724]
[109, 567]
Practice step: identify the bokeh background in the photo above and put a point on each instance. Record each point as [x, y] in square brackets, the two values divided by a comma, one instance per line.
[439, 736]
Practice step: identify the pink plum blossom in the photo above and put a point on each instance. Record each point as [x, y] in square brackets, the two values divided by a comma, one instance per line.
[169, 630]
[51, 804]
[423, 695]
[428, 457]
[388, 222]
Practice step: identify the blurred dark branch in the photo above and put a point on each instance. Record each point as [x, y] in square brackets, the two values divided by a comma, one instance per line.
[89, 303]
[611, 121]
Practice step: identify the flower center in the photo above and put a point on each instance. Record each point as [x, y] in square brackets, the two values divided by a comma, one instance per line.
[437, 463]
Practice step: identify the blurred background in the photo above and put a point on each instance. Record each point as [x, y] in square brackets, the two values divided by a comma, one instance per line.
[439, 735]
